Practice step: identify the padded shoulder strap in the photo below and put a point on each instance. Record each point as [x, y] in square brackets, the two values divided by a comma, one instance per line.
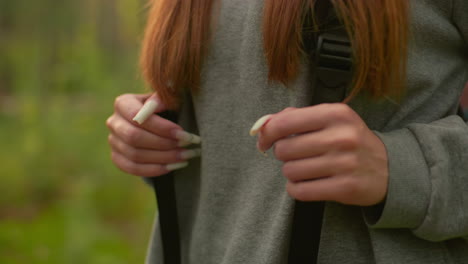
[167, 210]
[332, 73]
[461, 113]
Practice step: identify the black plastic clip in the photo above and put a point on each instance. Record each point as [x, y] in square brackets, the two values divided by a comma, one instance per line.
[334, 59]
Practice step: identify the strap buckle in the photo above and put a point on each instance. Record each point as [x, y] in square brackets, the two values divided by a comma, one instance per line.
[334, 61]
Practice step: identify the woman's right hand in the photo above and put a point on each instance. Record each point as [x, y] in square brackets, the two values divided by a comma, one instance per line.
[153, 148]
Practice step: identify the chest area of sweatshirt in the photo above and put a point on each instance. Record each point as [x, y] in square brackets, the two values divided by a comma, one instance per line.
[236, 30]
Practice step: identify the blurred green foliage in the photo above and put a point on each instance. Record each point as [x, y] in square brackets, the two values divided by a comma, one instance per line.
[62, 63]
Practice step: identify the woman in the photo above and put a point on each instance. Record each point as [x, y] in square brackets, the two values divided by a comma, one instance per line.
[391, 163]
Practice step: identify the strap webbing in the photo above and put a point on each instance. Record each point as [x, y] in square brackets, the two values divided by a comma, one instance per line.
[167, 210]
[168, 220]
[305, 234]
[461, 113]
[332, 71]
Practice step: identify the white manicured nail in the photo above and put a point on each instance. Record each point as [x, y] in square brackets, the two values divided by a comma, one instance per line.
[183, 136]
[261, 151]
[176, 166]
[146, 111]
[259, 124]
[190, 154]
[184, 143]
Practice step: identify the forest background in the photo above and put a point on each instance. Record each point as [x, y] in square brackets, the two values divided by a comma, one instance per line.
[62, 63]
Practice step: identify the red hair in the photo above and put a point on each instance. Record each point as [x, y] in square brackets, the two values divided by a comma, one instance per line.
[178, 32]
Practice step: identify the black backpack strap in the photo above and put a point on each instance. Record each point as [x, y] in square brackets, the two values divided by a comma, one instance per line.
[333, 67]
[167, 210]
[167, 214]
[461, 113]
[332, 74]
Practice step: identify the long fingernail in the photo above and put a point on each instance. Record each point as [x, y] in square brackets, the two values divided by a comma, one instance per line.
[184, 143]
[190, 154]
[183, 136]
[176, 166]
[146, 111]
[259, 124]
[261, 151]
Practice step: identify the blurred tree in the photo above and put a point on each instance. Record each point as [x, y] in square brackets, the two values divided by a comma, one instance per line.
[62, 200]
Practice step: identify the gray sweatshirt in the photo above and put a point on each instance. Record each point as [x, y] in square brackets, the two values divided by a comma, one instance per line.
[232, 203]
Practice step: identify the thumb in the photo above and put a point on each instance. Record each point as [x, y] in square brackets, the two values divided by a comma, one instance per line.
[152, 105]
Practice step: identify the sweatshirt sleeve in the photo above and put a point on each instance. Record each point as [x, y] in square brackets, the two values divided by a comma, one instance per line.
[428, 170]
[428, 183]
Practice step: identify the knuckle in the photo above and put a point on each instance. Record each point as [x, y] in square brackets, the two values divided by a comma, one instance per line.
[349, 139]
[340, 111]
[109, 122]
[351, 189]
[350, 163]
[122, 105]
[118, 101]
[343, 109]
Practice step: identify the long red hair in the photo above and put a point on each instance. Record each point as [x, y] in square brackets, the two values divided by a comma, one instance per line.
[178, 32]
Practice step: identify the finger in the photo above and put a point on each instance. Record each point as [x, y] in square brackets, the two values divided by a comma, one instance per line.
[319, 167]
[299, 121]
[258, 125]
[302, 146]
[149, 107]
[306, 170]
[128, 106]
[138, 137]
[145, 156]
[330, 140]
[167, 129]
[339, 189]
[145, 170]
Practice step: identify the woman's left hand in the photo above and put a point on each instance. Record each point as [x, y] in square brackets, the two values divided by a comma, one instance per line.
[329, 154]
